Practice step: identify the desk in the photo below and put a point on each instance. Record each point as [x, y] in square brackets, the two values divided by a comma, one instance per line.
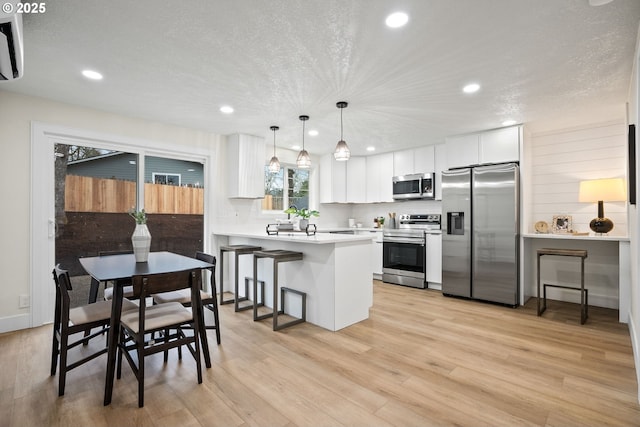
[118, 267]
[607, 270]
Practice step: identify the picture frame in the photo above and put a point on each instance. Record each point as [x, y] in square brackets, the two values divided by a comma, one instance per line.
[561, 224]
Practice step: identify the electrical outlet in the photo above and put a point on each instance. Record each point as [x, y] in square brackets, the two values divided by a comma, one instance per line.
[24, 301]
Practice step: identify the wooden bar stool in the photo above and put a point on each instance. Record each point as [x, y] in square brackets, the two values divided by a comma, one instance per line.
[278, 256]
[584, 293]
[238, 250]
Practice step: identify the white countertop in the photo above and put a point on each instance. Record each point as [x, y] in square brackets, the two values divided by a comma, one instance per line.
[298, 237]
[573, 237]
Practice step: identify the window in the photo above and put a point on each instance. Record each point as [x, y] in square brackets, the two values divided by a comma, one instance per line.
[280, 193]
[166, 178]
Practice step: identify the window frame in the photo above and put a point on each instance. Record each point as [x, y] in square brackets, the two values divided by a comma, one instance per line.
[284, 167]
[166, 175]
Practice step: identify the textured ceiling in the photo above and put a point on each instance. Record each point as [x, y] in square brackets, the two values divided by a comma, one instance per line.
[539, 62]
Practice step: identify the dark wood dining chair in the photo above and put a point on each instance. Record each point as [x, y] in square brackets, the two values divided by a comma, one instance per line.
[108, 290]
[69, 321]
[165, 323]
[208, 297]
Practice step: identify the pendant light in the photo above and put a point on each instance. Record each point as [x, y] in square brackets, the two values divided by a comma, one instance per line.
[274, 163]
[342, 152]
[303, 161]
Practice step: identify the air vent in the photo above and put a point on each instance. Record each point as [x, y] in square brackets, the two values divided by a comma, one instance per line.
[11, 51]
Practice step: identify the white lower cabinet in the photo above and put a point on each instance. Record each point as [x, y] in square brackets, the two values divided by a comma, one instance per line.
[434, 258]
[376, 252]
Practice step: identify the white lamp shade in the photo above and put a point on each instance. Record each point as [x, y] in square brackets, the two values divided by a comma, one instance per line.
[606, 190]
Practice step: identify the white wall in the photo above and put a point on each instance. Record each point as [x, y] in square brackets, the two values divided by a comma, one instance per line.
[365, 213]
[16, 114]
[561, 159]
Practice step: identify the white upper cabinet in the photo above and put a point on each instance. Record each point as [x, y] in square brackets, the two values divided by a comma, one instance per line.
[500, 145]
[379, 176]
[356, 180]
[462, 150]
[245, 163]
[418, 160]
[403, 162]
[333, 180]
[424, 159]
[494, 146]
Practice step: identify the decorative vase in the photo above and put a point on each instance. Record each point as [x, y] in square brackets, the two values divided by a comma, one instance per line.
[303, 224]
[141, 240]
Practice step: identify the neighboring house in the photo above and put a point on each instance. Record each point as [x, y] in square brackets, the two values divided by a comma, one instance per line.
[158, 170]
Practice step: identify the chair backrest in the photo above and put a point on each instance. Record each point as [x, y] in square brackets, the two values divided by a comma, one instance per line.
[146, 285]
[107, 253]
[62, 282]
[202, 256]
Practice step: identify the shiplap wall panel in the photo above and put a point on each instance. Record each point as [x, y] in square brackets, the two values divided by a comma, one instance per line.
[561, 159]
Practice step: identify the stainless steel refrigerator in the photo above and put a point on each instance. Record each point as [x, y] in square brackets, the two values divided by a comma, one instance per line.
[480, 239]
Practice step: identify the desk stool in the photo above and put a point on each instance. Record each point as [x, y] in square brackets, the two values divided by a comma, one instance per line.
[238, 250]
[584, 293]
[278, 256]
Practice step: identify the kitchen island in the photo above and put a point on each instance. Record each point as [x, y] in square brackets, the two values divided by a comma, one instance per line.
[335, 272]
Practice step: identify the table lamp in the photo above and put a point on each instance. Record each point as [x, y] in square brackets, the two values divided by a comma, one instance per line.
[602, 190]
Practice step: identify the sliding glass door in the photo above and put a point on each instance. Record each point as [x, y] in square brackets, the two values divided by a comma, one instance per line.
[83, 185]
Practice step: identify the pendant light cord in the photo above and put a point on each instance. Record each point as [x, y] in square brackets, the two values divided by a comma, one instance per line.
[303, 122]
[341, 137]
[274, 142]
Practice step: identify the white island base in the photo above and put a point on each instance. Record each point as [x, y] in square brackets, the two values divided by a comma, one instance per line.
[335, 273]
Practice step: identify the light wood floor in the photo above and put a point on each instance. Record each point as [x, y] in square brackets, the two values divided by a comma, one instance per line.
[421, 359]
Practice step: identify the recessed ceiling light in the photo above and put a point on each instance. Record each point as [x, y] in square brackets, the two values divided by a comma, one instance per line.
[226, 109]
[508, 122]
[191, 170]
[371, 148]
[313, 132]
[397, 19]
[92, 75]
[599, 2]
[295, 147]
[471, 88]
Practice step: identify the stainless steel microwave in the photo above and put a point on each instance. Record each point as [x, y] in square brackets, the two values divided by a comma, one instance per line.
[415, 186]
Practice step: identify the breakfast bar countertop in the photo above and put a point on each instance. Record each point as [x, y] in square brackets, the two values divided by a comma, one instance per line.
[296, 236]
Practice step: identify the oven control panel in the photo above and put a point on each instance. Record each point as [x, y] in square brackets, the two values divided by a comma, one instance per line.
[420, 221]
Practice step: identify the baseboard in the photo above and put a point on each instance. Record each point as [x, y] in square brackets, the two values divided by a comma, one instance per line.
[635, 345]
[15, 323]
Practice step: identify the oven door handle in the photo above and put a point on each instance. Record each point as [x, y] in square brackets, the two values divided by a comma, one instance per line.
[403, 240]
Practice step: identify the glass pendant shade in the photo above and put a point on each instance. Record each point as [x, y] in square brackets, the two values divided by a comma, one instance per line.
[303, 161]
[274, 163]
[342, 152]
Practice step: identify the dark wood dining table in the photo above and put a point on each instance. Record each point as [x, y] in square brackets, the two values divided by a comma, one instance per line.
[120, 269]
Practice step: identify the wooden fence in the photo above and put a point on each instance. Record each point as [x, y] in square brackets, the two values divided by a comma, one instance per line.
[88, 194]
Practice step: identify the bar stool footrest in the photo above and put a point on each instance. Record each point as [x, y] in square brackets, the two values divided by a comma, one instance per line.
[302, 319]
[584, 308]
[246, 298]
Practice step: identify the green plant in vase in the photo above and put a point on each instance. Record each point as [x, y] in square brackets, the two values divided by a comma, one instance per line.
[304, 214]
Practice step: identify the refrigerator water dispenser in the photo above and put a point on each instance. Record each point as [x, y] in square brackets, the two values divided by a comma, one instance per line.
[455, 223]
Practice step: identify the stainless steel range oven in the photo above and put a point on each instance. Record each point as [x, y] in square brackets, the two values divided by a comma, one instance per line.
[404, 250]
